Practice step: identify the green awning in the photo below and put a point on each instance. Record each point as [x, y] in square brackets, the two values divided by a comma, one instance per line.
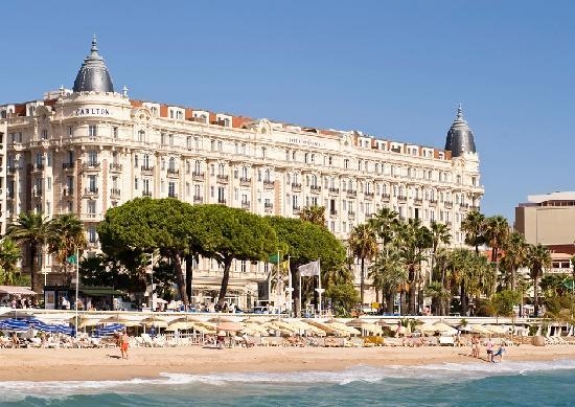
[100, 292]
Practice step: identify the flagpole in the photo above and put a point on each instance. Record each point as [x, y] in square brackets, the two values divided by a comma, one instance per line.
[319, 290]
[77, 288]
[278, 286]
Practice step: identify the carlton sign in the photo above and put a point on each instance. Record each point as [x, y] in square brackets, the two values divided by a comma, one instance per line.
[92, 111]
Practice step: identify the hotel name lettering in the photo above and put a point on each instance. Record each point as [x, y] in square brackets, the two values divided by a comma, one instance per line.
[311, 143]
[92, 111]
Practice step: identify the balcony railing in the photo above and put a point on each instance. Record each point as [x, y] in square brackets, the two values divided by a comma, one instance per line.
[91, 166]
[115, 193]
[269, 184]
[38, 167]
[433, 201]
[385, 197]
[268, 207]
[91, 192]
[334, 191]
[368, 195]
[402, 198]
[223, 178]
[68, 166]
[174, 172]
[448, 204]
[198, 176]
[295, 186]
[351, 193]
[68, 192]
[198, 198]
[245, 181]
[147, 169]
[246, 204]
[147, 193]
[316, 189]
[351, 214]
[418, 201]
[333, 212]
[172, 195]
[115, 167]
[222, 201]
[296, 210]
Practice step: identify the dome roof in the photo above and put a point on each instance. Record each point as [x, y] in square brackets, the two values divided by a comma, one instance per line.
[93, 75]
[460, 137]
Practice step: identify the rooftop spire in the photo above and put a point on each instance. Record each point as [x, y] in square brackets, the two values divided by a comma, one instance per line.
[93, 76]
[460, 137]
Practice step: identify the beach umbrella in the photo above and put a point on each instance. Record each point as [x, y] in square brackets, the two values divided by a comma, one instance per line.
[229, 326]
[154, 321]
[179, 326]
[445, 329]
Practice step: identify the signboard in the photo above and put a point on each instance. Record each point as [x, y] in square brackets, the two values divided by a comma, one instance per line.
[49, 300]
[92, 111]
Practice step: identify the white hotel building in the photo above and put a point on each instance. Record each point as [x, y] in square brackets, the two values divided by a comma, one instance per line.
[89, 149]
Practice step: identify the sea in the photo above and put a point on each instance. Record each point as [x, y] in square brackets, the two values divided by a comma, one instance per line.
[509, 383]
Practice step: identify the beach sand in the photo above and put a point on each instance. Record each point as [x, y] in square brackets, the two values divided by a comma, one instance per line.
[105, 364]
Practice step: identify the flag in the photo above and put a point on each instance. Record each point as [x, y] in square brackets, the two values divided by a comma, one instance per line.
[274, 258]
[310, 269]
[72, 259]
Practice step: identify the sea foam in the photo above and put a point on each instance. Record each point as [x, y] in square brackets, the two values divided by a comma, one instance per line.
[410, 376]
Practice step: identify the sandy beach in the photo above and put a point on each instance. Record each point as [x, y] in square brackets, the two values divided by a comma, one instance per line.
[105, 364]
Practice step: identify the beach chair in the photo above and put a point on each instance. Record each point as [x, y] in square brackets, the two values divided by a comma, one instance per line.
[446, 341]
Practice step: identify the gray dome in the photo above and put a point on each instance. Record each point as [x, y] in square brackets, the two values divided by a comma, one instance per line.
[93, 75]
[460, 137]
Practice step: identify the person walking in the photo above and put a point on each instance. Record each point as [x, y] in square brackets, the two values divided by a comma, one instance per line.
[489, 348]
[124, 345]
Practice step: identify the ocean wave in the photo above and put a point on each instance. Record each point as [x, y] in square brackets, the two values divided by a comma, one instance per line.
[11, 391]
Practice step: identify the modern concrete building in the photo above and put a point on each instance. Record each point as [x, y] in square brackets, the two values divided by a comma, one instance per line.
[548, 220]
[91, 148]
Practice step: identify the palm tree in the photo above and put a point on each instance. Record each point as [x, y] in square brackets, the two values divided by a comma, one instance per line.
[516, 250]
[438, 295]
[67, 237]
[363, 245]
[474, 227]
[389, 272]
[496, 234]
[440, 234]
[314, 214]
[10, 253]
[414, 239]
[385, 224]
[538, 259]
[32, 230]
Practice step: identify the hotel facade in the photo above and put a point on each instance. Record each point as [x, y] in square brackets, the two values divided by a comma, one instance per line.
[91, 148]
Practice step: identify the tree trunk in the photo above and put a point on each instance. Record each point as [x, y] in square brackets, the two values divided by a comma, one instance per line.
[536, 296]
[33, 277]
[495, 259]
[513, 278]
[180, 278]
[390, 303]
[463, 299]
[189, 276]
[225, 282]
[296, 291]
[362, 284]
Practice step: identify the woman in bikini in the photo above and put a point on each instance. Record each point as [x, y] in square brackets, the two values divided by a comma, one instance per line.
[124, 343]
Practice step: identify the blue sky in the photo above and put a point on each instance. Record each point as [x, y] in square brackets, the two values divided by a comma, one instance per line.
[395, 69]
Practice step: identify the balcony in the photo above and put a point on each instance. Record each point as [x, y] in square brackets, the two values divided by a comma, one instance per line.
[115, 193]
[351, 193]
[222, 201]
[173, 195]
[147, 193]
[147, 169]
[333, 213]
[316, 189]
[91, 166]
[10, 195]
[38, 167]
[12, 168]
[198, 199]
[198, 175]
[418, 201]
[68, 166]
[334, 191]
[474, 208]
[91, 192]
[296, 187]
[246, 182]
[351, 214]
[246, 204]
[268, 207]
[36, 193]
[402, 198]
[115, 167]
[68, 192]
[223, 179]
[269, 184]
[369, 195]
[173, 173]
[433, 202]
[448, 204]
[385, 197]
[296, 210]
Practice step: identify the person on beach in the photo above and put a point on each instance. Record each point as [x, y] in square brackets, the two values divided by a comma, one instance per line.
[500, 352]
[489, 348]
[124, 344]
[475, 343]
